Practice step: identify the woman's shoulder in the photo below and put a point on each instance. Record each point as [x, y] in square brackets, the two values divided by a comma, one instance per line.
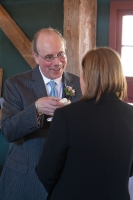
[71, 108]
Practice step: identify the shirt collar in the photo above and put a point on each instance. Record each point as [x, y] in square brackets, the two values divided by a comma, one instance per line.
[46, 80]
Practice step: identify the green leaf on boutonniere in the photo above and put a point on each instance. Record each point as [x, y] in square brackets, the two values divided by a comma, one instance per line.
[69, 91]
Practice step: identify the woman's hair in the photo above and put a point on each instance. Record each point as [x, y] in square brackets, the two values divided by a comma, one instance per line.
[103, 74]
[46, 31]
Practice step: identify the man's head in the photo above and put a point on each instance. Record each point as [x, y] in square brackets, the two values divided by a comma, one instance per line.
[48, 48]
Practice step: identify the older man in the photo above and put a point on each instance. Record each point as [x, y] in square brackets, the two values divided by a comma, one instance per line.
[29, 99]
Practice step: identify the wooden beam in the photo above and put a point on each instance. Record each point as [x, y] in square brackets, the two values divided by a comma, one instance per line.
[16, 36]
[79, 30]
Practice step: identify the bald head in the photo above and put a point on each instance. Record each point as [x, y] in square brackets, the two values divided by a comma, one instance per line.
[45, 33]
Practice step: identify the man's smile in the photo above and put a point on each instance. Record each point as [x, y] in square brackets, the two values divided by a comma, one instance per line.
[54, 69]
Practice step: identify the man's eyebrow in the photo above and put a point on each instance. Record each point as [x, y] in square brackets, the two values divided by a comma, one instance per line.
[53, 54]
[49, 54]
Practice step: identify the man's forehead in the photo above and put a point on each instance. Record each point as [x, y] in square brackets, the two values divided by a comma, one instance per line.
[50, 40]
[49, 36]
[51, 47]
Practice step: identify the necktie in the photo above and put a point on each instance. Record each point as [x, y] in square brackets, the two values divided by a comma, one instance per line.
[53, 91]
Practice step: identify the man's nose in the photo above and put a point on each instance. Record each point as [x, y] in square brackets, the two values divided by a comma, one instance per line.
[56, 60]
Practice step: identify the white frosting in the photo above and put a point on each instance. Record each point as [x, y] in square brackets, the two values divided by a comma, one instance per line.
[65, 101]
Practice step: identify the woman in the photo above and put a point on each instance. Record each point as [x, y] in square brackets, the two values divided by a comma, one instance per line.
[89, 150]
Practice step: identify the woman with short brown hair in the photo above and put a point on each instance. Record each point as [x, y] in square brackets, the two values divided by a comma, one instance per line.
[103, 74]
[88, 154]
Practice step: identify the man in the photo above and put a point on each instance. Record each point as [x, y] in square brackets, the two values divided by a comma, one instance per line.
[27, 105]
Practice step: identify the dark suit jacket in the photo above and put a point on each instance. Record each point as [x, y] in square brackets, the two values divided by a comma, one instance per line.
[19, 127]
[89, 151]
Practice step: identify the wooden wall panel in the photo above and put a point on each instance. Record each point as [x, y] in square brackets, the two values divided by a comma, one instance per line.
[79, 30]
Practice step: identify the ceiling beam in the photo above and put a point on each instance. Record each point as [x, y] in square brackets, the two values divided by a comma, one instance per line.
[16, 36]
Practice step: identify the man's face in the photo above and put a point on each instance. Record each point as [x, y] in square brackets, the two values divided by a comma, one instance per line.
[50, 45]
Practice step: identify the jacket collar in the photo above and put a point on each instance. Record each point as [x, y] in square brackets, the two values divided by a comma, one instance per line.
[39, 86]
[112, 97]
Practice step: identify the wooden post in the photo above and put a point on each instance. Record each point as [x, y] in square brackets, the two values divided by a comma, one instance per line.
[79, 30]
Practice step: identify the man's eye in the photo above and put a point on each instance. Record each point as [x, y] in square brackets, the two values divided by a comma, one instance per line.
[61, 54]
[49, 57]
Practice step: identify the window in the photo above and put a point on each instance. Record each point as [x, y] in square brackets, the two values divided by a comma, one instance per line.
[121, 38]
[126, 45]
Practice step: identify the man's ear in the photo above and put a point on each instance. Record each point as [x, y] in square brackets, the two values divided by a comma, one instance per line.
[35, 56]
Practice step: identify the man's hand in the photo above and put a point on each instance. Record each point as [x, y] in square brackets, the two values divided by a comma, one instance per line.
[48, 105]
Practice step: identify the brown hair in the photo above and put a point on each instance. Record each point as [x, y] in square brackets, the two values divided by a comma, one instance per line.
[103, 74]
[47, 31]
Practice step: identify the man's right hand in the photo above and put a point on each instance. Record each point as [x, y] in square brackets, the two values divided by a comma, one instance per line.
[47, 105]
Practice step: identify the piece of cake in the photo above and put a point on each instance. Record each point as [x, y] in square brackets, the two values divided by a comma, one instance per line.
[65, 101]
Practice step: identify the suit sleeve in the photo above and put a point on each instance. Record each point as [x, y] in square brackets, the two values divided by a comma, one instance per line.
[17, 121]
[54, 152]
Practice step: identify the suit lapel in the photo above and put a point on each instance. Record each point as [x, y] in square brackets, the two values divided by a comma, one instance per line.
[67, 81]
[38, 83]
[39, 86]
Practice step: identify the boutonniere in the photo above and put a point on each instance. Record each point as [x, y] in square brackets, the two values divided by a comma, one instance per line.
[69, 91]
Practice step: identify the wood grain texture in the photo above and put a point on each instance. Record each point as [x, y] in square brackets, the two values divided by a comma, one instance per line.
[79, 30]
[16, 36]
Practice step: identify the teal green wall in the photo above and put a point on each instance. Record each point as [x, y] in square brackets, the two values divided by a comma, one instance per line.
[31, 15]
[103, 10]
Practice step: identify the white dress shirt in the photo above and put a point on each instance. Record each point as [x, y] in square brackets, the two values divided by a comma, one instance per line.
[58, 86]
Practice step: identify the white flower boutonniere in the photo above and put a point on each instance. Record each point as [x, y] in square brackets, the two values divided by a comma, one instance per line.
[69, 91]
